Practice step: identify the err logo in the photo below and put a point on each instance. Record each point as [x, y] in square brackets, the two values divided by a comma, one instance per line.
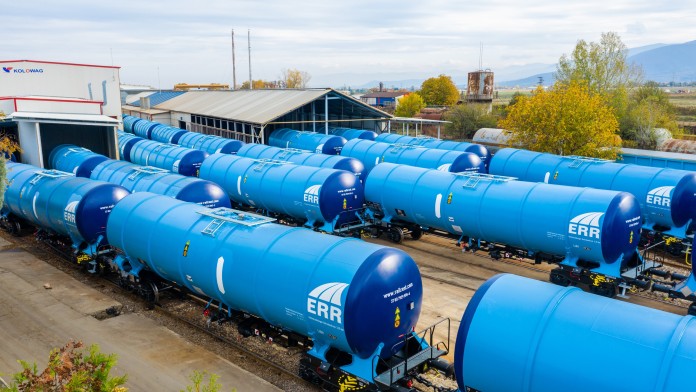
[311, 194]
[586, 225]
[661, 196]
[325, 301]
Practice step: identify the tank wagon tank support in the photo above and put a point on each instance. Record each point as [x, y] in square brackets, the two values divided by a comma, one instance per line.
[129, 122]
[308, 141]
[350, 133]
[590, 231]
[519, 334]
[430, 142]
[181, 160]
[209, 143]
[166, 134]
[667, 196]
[63, 205]
[372, 154]
[347, 295]
[304, 158]
[313, 196]
[138, 178]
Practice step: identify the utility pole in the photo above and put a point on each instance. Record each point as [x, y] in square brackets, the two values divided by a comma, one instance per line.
[234, 65]
[251, 84]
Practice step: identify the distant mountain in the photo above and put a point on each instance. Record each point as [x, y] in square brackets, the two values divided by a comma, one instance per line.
[661, 63]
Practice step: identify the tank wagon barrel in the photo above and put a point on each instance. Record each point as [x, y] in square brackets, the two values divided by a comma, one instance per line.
[209, 143]
[350, 133]
[574, 224]
[667, 196]
[372, 154]
[138, 178]
[309, 141]
[338, 291]
[125, 144]
[304, 158]
[519, 334]
[430, 142]
[129, 122]
[166, 134]
[62, 203]
[143, 128]
[181, 160]
[310, 195]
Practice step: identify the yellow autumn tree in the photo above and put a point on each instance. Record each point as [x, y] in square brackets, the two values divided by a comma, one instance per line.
[566, 120]
[409, 105]
[439, 91]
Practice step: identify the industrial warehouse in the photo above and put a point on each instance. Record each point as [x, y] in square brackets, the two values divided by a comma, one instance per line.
[325, 240]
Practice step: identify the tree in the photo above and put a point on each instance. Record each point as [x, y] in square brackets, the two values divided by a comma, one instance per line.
[409, 105]
[294, 78]
[604, 69]
[566, 120]
[648, 109]
[70, 370]
[259, 84]
[439, 91]
[466, 119]
[7, 148]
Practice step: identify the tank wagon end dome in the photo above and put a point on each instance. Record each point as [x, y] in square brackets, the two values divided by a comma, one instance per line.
[70, 158]
[190, 163]
[468, 162]
[383, 302]
[683, 201]
[92, 212]
[342, 191]
[205, 193]
[231, 147]
[332, 145]
[620, 228]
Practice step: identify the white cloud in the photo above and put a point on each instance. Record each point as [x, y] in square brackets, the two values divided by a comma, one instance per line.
[336, 42]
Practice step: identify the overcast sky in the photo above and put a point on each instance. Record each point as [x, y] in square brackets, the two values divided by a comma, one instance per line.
[160, 43]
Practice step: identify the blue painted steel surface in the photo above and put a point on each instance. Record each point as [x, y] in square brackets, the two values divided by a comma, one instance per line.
[126, 141]
[129, 122]
[143, 128]
[341, 292]
[76, 160]
[299, 157]
[209, 143]
[350, 133]
[519, 334]
[667, 196]
[431, 142]
[578, 223]
[311, 194]
[137, 178]
[166, 134]
[309, 141]
[62, 203]
[181, 160]
[672, 160]
[372, 154]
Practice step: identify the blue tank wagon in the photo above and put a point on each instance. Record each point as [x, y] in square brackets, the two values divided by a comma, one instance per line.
[143, 128]
[138, 178]
[372, 154]
[350, 297]
[308, 141]
[180, 160]
[667, 196]
[304, 158]
[315, 197]
[589, 231]
[209, 143]
[166, 134]
[62, 205]
[519, 334]
[350, 133]
[430, 142]
[129, 122]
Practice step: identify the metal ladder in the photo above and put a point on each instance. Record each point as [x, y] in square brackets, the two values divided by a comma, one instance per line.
[579, 160]
[145, 170]
[472, 179]
[49, 174]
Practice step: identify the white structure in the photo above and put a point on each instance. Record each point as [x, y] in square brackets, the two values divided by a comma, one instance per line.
[60, 103]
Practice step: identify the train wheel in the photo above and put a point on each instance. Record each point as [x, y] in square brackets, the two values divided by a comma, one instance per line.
[416, 233]
[396, 235]
[150, 292]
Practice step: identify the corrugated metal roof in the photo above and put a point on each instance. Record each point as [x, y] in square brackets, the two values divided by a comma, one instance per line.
[250, 106]
[157, 97]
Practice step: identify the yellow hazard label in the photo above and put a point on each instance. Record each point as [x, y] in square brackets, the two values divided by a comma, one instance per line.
[345, 203]
[630, 238]
[397, 317]
[555, 176]
[245, 178]
[186, 248]
[449, 198]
